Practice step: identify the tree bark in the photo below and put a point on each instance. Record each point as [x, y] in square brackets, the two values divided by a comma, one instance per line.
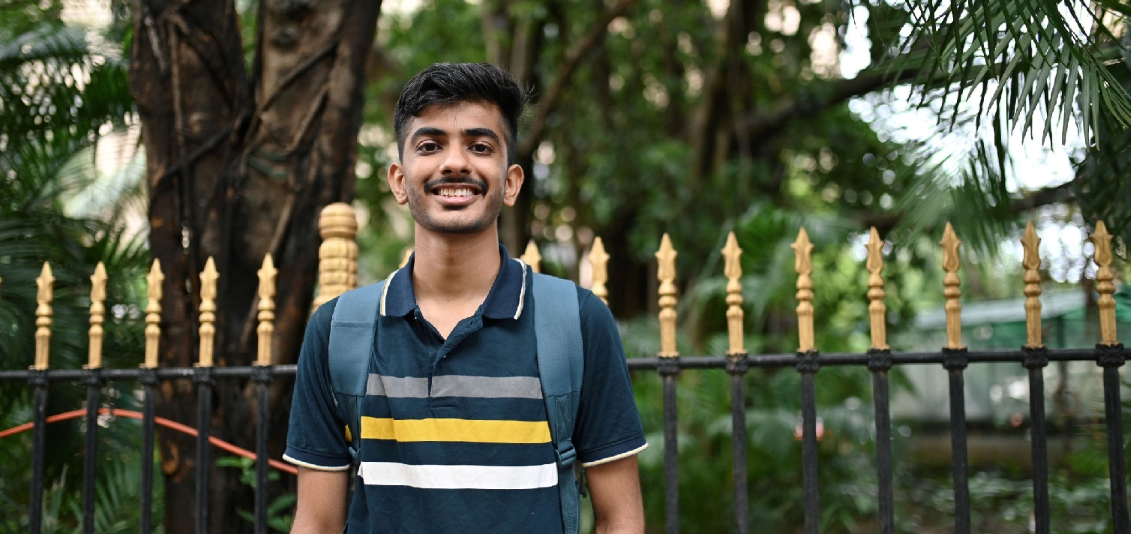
[238, 169]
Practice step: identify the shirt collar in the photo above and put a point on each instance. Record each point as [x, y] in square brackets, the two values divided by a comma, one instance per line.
[505, 301]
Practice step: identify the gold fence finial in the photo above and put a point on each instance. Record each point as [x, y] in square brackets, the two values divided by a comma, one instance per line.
[532, 257]
[405, 257]
[1105, 284]
[43, 312]
[1032, 265]
[599, 264]
[803, 250]
[97, 316]
[337, 255]
[733, 271]
[153, 314]
[266, 329]
[208, 279]
[665, 272]
[952, 291]
[877, 310]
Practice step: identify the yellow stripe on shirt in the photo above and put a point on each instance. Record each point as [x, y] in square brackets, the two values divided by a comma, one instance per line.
[458, 430]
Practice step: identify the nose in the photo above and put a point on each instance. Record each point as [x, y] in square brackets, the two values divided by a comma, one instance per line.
[455, 162]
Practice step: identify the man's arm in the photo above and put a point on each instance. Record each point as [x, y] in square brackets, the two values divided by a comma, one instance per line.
[321, 507]
[615, 490]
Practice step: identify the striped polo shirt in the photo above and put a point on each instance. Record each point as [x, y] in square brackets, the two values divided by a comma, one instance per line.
[454, 436]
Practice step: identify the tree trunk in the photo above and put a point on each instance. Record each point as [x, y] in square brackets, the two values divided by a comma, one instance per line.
[238, 169]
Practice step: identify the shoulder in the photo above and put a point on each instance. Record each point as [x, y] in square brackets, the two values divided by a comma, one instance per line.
[593, 310]
[325, 312]
[584, 296]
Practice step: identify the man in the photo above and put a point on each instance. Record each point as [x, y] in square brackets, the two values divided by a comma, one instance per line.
[454, 435]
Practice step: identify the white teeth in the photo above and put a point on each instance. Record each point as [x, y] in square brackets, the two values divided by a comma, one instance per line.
[456, 192]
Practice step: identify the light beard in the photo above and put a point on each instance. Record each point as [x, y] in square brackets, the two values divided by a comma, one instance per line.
[460, 225]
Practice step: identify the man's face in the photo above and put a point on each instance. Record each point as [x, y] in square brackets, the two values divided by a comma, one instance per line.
[454, 174]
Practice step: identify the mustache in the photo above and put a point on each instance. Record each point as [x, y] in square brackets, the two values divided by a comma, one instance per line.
[453, 180]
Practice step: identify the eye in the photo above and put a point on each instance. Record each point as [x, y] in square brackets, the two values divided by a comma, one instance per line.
[427, 147]
[480, 148]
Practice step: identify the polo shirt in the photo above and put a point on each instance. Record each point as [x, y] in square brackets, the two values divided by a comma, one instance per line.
[454, 432]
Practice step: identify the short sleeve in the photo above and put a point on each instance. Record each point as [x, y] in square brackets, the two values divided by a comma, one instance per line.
[608, 424]
[316, 435]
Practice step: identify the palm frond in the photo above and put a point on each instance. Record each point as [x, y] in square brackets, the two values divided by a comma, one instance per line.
[1025, 60]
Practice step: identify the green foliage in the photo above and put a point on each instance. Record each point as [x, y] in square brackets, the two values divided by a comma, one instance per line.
[59, 92]
[278, 518]
[1002, 70]
[117, 487]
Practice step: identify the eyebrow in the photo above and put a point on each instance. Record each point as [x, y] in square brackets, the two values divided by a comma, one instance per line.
[482, 132]
[426, 131]
[470, 132]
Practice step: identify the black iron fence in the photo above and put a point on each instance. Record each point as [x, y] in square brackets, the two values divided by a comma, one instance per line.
[878, 362]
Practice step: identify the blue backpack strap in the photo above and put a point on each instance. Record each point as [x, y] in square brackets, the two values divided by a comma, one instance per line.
[561, 362]
[353, 329]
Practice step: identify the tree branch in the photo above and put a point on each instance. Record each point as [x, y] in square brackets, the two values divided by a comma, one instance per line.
[759, 124]
[572, 60]
[1066, 192]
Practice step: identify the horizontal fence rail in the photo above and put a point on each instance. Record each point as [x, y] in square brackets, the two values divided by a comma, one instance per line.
[338, 269]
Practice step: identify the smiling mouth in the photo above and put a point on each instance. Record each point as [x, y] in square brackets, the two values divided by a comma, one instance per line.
[455, 188]
[456, 193]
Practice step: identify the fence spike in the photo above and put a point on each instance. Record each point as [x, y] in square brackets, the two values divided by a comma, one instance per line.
[43, 312]
[877, 310]
[733, 271]
[1032, 265]
[803, 250]
[952, 291]
[337, 255]
[405, 257]
[665, 272]
[208, 279]
[266, 329]
[1104, 284]
[532, 257]
[97, 316]
[153, 314]
[599, 265]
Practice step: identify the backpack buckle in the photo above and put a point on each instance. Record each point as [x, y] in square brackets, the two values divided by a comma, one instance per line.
[566, 453]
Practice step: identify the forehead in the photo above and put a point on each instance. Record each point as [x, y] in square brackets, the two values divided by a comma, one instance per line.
[459, 116]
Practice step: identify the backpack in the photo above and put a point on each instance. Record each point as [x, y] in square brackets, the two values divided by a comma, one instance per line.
[557, 328]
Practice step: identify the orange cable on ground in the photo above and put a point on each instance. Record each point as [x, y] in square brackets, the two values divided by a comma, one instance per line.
[159, 420]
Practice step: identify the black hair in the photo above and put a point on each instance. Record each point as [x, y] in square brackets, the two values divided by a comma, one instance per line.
[446, 84]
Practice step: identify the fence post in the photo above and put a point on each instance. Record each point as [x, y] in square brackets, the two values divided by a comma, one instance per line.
[1036, 359]
[202, 376]
[599, 265]
[736, 367]
[807, 364]
[955, 362]
[148, 378]
[531, 257]
[93, 380]
[668, 368]
[1111, 357]
[262, 378]
[38, 380]
[337, 255]
[879, 363]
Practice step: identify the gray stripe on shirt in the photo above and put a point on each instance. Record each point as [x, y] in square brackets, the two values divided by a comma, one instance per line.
[483, 387]
[398, 388]
[487, 387]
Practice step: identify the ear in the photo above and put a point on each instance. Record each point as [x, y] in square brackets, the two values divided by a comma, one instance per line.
[512, 184]
[396, 183]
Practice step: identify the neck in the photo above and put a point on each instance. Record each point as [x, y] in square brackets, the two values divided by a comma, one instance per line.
[455, 267]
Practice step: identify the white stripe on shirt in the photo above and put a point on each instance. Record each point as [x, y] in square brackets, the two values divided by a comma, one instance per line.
[459, 476]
